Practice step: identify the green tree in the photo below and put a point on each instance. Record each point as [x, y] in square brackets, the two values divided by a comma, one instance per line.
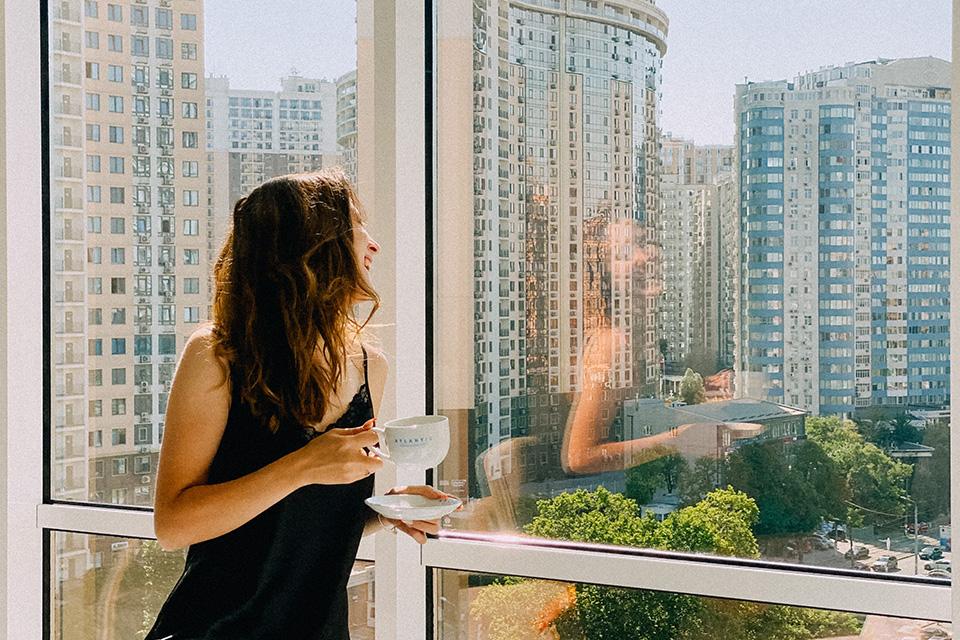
[643, 480]
[788, 502]
[872, 478]
[691, 387]
[697, 481]
[931, 480]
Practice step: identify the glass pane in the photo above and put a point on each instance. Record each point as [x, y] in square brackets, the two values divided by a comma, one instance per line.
[687, 276]
[501, 608]
[106, 587]
[160, 119]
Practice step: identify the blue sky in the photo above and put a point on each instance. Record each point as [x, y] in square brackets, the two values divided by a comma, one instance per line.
[712, 45]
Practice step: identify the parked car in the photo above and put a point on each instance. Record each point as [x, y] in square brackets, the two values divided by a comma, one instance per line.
[884, 563]
[861, 566]
[838, 534]
[920, 527]
[938, 573]
[857, 552]
[942, 565]
[820, 542]
[931, 553]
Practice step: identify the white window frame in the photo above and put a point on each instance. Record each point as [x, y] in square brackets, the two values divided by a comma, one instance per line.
[397, 89]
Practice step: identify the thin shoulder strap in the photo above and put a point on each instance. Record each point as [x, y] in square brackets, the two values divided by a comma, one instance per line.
[366, 380]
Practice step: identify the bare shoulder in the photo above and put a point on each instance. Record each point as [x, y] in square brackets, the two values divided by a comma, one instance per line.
[199, 360]
[376, 359]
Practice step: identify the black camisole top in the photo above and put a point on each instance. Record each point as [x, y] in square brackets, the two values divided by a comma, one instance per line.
[282, 575]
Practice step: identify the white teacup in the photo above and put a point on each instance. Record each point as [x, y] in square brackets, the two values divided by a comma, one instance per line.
[420, 440]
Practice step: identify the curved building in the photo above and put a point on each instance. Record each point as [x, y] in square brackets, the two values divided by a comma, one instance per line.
[565, 174]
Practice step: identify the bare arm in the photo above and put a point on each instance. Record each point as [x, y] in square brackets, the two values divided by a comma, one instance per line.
[187, 509]
[585, 449]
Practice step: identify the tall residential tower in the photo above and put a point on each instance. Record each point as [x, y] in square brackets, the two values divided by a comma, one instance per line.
[844, 236]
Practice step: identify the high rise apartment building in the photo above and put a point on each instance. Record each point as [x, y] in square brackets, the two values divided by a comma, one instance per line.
[254, 135]
[694, 195]
[129, 241]
[565, 163]
[844, 236]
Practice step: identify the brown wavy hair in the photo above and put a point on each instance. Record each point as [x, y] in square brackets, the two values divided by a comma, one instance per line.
[286, 281]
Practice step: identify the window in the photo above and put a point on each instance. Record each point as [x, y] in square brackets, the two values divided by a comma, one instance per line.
[118, 375]
[117, 195]
[191, 227]
[188, 109]
[93, 193]
[191, 314]
[95, 347]
[139, 16]
[93, 132]
[95, 377]
[191, 198]
[118, 285]
[189, 139]
[94, 255]
[141, 168]
[190, 168]
[141, 464]
[90, 9]
[94, 222]
[115, 12]
[91, 39]
[95, 316]
[188, 51]
[164, 19]
[164, 48]
[117, 225]
[93, 163]
[119, 464]
[93, 101]
[191, 256]
[95, 284]
[118, 407]
[95, 438]
[116, 134]
[115, 104]
[115, 43]
[115, 73]
[117, 255]
[118, 346]
[116, 164]
[95, 408]
[191, 285]
[188, 80]
[166, 344]
[143, 345]
[140, 46]
[92, 70]
[188, 21]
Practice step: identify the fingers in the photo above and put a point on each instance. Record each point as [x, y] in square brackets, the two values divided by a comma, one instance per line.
[361, 436]
[411, 531]
[419, 490]
[366, 426]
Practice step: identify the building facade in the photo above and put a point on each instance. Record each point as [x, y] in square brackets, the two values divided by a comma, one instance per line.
[844, 237]
[255, 134]
[129, 240]
[694, 195]
[565, 173]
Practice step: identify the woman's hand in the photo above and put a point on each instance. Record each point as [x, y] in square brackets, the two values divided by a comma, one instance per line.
[417, 529]
[338, 456]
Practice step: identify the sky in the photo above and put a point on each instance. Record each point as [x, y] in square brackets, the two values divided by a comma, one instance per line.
[711, 46]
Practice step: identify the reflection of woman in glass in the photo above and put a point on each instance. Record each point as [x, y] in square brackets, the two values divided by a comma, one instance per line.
[266, 459]
[611, 254]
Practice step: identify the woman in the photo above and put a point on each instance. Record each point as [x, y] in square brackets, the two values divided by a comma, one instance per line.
[267, 455]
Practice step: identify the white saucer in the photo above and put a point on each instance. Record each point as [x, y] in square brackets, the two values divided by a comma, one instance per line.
[408, 507]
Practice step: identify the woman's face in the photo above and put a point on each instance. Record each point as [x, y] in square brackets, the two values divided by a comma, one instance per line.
[364, 248]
